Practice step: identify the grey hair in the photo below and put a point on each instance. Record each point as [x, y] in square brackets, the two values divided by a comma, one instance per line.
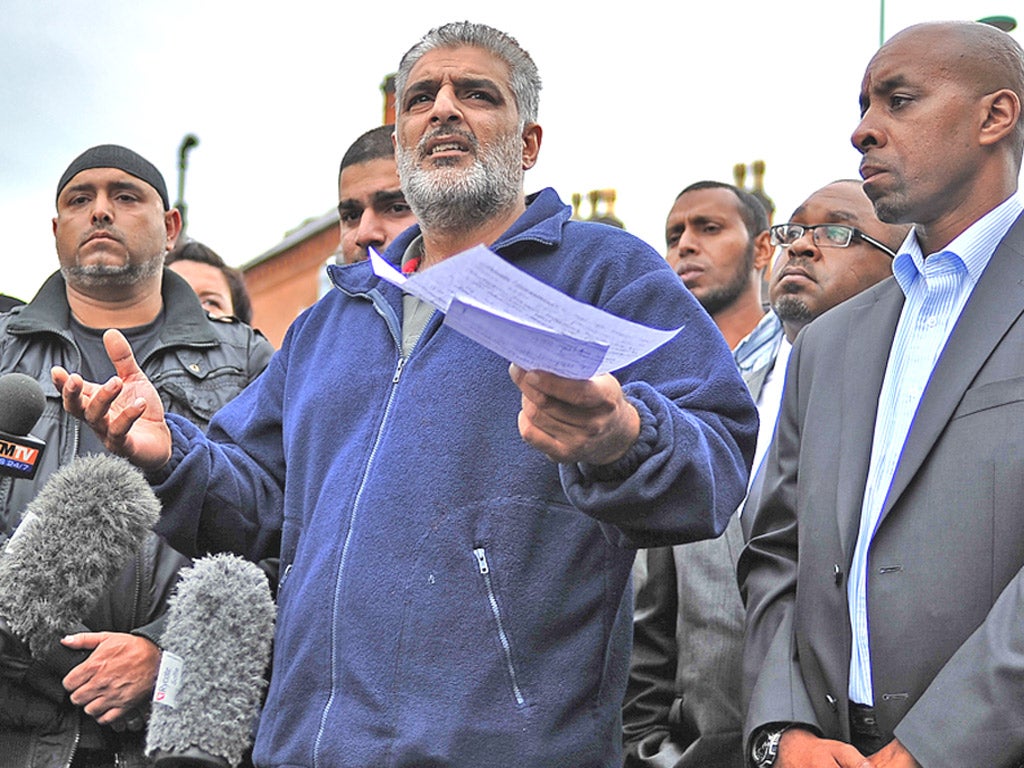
[524, 80]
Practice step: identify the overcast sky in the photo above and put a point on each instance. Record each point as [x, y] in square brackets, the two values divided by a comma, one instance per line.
[637, 98]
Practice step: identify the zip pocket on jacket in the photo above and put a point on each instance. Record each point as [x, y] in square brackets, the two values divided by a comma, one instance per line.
[485, 572]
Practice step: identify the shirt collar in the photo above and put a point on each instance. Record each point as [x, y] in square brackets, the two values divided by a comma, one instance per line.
[759, 343]
[972, 248]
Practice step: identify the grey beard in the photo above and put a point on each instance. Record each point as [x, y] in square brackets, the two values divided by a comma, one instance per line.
[459, 200]
[104, 275]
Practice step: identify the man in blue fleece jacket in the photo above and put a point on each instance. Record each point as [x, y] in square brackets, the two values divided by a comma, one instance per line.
[454, 589]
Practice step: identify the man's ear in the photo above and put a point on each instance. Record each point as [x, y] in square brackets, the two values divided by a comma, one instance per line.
[532, 134]
[763, 250]
[1000, 115]
[172, 221]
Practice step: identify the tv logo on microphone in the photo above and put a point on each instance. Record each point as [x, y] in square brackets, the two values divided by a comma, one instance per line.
[19, 456]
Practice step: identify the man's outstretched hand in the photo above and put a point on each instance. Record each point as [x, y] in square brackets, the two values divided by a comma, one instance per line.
[125, 412]
[568, 420]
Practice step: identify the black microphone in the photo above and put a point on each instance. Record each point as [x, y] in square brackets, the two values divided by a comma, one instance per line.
[21, 404]
[216, 648]
[76, 536]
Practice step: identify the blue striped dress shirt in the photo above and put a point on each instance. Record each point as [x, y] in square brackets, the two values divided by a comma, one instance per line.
[936, 289]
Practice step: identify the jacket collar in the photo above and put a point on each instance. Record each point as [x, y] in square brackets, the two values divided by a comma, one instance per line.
[185, 320]
[542, 222]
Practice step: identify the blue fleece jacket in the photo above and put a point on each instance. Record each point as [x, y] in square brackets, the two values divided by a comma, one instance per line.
[449, 596]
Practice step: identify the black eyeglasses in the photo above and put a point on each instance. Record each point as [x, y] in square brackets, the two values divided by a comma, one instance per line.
[835, 235]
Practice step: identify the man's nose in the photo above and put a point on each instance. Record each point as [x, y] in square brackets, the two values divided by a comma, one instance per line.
[102, 209]
[371, 230]
[446, 106]
[688, 242]
[867, 133]
[804, 247]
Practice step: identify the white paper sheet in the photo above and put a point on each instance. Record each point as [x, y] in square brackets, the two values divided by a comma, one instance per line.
[525, 321]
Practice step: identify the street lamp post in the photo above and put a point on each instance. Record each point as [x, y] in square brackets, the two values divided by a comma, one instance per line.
[1005, 23]
[187, 144]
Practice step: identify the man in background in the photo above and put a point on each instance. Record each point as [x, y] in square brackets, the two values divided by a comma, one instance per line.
[833, 247]
[113, 228]
[717, 241]
[883, 575]
[684, 707]
[221, 289]
[372, 210]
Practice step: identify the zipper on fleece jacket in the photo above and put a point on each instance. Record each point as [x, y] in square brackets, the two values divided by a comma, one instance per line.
[396, 377]
[485, 570]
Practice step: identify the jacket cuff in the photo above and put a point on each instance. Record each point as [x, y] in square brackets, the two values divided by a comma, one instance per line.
[154, 631]
[179, 447]
[638, 453]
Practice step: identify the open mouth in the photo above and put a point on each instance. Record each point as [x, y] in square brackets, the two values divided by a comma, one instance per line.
[448, 146]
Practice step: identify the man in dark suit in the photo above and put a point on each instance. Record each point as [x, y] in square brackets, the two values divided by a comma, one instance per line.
[883, 580]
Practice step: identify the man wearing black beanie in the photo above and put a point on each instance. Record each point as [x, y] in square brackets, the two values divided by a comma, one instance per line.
[113, 228]
[122, 158]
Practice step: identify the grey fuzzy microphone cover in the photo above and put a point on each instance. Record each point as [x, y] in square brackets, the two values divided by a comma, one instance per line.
[77, 534]
[216, 645]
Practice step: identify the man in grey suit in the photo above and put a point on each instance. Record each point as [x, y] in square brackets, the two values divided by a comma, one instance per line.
[883, 581]
[683, 706]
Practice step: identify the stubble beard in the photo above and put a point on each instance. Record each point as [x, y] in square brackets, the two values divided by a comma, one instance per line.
[454, 200]
[890, 204]
[112, 275]
[718, 299]
[792, 309]
[888, 210]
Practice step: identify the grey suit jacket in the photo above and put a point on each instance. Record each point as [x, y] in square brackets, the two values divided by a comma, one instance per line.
[945, 589]
[683, 703]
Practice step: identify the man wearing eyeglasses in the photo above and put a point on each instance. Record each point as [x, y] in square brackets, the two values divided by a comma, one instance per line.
[883, 579]
[833, 248]
[688, 622]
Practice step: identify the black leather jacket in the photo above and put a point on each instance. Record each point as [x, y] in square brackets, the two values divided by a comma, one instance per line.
[198, 365]
[39, 727]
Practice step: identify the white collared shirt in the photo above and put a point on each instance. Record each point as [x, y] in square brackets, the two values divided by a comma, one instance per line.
[936, 288]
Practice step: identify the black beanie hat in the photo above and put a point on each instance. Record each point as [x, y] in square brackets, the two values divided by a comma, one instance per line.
[114, 156]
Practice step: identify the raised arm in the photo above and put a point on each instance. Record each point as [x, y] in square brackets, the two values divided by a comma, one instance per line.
[125, 412]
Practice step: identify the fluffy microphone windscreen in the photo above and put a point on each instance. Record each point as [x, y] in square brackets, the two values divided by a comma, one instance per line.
[21, 403]
[80, 531]
[220, 625]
